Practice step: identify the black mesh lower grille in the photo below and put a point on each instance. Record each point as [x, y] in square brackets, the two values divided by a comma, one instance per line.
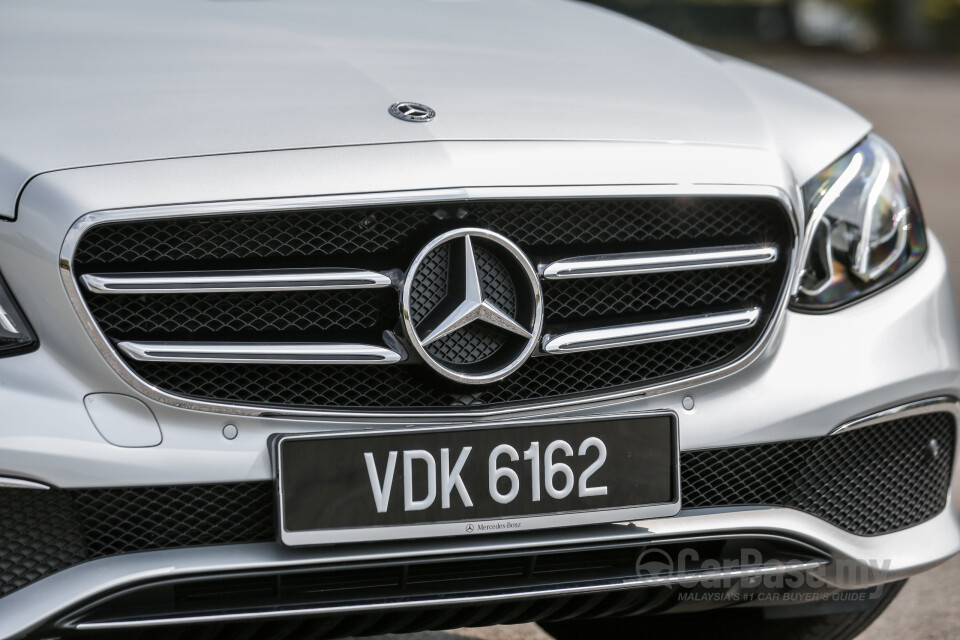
[388, 622]
[510, 574]
[869, 482]
[39, 535]
[42, 532]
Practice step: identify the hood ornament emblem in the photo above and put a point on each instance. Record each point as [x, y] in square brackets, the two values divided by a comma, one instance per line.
[412, 112]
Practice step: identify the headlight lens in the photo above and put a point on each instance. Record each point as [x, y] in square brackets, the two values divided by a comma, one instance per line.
[865, 228]
[15, 334]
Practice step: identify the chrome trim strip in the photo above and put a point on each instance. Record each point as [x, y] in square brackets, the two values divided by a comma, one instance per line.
[255, 353]
[236, 281]
[789, 203]
[920, 407]
[749, 571]
[644, 332]
[18, 483]
[628, 264]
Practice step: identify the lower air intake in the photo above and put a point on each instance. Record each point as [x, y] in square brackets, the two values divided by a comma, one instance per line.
[868, 481]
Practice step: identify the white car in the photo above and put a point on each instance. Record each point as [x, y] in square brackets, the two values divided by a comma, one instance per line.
[344, 318]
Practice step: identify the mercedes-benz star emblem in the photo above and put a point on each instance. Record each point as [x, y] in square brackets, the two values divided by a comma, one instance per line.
[412, 112]
[472, 306]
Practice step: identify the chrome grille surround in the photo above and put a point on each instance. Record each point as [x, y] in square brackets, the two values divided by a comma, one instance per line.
[426, 198]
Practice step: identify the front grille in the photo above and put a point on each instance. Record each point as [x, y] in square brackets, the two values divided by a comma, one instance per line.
[869, 482]
[385, 239]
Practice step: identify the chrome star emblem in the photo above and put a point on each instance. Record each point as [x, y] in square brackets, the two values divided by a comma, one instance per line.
[455, 325]
[412, 112]
[474, 307]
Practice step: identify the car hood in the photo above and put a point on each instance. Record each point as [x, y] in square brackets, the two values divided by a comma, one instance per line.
[107, 81]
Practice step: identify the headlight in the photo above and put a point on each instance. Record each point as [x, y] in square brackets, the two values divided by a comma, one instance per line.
[15, 334]
[865, 229]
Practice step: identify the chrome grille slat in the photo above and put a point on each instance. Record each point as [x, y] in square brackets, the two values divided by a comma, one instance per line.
[248, 353]
[646, 332]
[625, 264]
[235, 281]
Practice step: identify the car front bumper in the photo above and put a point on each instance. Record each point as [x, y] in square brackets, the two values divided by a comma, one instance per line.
[818, 373]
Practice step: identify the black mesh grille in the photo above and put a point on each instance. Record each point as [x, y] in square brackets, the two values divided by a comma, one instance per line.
[496, 281]
[591, 298]
[230, 315]
[124, 520]
[868, 481]
[39, 535]
[549, 224]
[871, 481]
[45, 531]
[531, 224]
[429, 284]
[388, 238]
[280, 235]
[473, 343]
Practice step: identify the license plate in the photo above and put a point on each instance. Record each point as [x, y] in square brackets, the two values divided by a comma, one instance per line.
[441, 481]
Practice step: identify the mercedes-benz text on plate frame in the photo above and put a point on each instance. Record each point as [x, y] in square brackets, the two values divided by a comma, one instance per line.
[352, 487]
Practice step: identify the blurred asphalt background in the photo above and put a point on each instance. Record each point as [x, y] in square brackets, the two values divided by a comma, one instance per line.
[915, 104]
